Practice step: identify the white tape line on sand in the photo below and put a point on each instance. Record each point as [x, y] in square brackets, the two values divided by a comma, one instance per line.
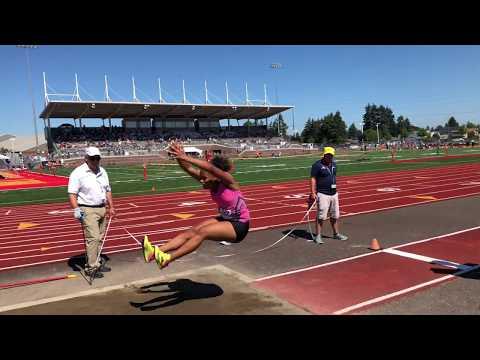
[427, 259]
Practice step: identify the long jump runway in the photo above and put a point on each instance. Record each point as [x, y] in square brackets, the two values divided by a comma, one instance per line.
[39, 234]
[353, 284]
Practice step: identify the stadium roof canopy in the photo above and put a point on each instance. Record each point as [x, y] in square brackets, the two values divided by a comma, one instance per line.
[6, 137]
[111, 110]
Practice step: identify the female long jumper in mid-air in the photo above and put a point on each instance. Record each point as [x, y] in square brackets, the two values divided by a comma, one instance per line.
[233, 221]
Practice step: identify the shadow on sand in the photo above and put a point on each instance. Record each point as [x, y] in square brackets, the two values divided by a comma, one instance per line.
[176, 292]
[474, 274]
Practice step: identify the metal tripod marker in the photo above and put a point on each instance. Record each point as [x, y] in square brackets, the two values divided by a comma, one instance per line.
[100, 251]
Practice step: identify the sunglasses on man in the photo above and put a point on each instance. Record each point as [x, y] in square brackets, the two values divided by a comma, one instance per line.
[94, 158]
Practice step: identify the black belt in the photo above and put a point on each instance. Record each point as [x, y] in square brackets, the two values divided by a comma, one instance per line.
[93, 206]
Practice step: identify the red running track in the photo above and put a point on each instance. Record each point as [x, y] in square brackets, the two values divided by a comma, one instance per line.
[24, 179]
[356, 283]
[55, 236]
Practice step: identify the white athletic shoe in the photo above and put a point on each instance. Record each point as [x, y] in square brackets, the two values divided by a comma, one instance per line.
[340, 237]
[318, 239]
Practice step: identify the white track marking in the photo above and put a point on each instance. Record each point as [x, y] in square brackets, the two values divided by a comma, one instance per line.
[271, 226]
[403, 291]
[436, 237]
[267, 227]
[8, 212]
[367, 254]
[261, 189]
[134, 238]
[427, 259]
[37, 218]
[317, 266]
[261, 181]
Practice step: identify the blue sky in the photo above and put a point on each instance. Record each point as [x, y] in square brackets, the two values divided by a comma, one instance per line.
[428, 84]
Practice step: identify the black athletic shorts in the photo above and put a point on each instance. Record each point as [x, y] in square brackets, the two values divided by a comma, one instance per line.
[241, 228]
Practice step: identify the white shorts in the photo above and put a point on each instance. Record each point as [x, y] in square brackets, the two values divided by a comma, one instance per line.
[327, 205]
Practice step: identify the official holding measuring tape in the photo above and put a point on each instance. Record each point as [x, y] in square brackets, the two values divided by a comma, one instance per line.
[89, 191]
[323, 186]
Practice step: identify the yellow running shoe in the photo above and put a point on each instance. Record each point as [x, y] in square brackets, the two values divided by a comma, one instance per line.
[148, 250]
[161, 258]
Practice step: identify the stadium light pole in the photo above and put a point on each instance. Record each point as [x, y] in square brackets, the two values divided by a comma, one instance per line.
[378, 136]
[29, 72]
[363, 137]
[276, 66]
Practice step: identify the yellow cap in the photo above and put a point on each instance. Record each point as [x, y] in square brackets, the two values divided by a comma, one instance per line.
[328, 150]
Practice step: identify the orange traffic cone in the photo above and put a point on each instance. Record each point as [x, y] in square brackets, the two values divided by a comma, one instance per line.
[375, 245]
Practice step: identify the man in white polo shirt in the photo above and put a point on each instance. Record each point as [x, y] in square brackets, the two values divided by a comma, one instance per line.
[89, 191]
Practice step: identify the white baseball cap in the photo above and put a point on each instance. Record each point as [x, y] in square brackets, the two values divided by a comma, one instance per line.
[92, 151]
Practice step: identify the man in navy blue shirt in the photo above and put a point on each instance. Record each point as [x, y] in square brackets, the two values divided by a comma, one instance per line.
[323, 188]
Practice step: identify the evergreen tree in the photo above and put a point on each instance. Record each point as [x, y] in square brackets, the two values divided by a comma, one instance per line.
[370, 135]
[470, 125]
[307, 132]
[283, 126]
[352, 131]
[333, 129]
[452, 123]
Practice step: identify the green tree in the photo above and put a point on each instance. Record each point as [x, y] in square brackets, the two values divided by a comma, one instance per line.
[308, 131]
[403, 127]
[332, 130]
[352, 131]
[370, 135]
[452, 123]
[296, 137]
[471, 125]
[422, 133]
[385, 134]
[383, 116]
[410, 126]
[283, 126]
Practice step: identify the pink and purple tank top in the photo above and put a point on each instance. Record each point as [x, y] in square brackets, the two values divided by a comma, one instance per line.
[231, 204]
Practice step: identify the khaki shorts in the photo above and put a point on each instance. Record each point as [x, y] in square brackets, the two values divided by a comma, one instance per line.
[327, 205]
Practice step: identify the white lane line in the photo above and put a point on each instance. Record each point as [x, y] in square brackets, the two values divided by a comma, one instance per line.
[134, 238]
[262, 182]
[133, 204]
[8, 212]
[403, 291]
[317, 266]
[157, 202]
[428, 259]
[437, 237]
[362, 255]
